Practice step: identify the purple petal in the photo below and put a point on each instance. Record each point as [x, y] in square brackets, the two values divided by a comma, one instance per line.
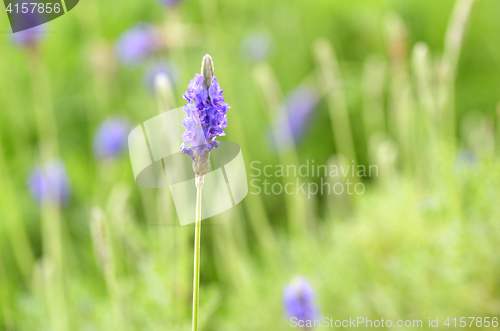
[137, 43]
[49, 183]
[111, 137]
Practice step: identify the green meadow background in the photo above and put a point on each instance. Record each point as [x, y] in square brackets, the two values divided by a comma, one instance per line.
[410, 86]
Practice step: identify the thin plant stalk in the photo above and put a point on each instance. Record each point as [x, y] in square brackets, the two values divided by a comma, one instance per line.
[374, 78]
[330, 79]
[178, 245]
[14, 225]
[401, 104]
[101, 240]
[497, 143]
[5, 298]
[54, 247]
[338, 206]
[205, 95]
[457, 27]
[271, 91]
[197, 253]
[426, 118]
[231, 251]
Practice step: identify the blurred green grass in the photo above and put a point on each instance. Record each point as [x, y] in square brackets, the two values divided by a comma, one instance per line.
[422, 243]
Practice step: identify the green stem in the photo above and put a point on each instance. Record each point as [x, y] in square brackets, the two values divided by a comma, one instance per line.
[197, 244]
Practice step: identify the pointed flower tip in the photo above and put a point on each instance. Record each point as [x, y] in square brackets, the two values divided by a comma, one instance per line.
[207, 70]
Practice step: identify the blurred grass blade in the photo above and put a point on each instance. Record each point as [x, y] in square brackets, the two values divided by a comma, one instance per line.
[164, 94]
[422, 69]
[103, 251]
[401, 105]
[457, 26]
[339, 205]
[269, 86]
[44, 112]
[5, 300]
[383, 152]
[497, 136]
[374, 86]
[330, 81]
[426, 118]
[14, 224]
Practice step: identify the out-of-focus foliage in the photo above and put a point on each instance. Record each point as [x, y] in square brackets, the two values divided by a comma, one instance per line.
[409, 86]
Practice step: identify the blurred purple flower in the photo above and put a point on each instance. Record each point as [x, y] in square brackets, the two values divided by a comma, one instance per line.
[137, 44]
[466, 159]
[257, 46]
[28, 37]
[111, 137]
[205, 116]
[297, 113]
[169, 69]
[49, 183]
[299, 300]
[170, 2]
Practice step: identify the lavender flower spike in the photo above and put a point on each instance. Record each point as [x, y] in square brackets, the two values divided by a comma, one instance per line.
[205, 117]
[204, 122]
[49, 183]
[299, 300]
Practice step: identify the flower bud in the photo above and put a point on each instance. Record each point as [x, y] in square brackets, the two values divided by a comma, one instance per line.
[207, 70]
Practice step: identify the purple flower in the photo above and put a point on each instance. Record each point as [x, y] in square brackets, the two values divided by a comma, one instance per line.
[110, 139]
[466, 159]
[169, 69]
[28, 37]
[257, 46]
[170, 2]
[297, 114]
[205, 117]
[137, 44]
[49, 183]
[299, 300]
